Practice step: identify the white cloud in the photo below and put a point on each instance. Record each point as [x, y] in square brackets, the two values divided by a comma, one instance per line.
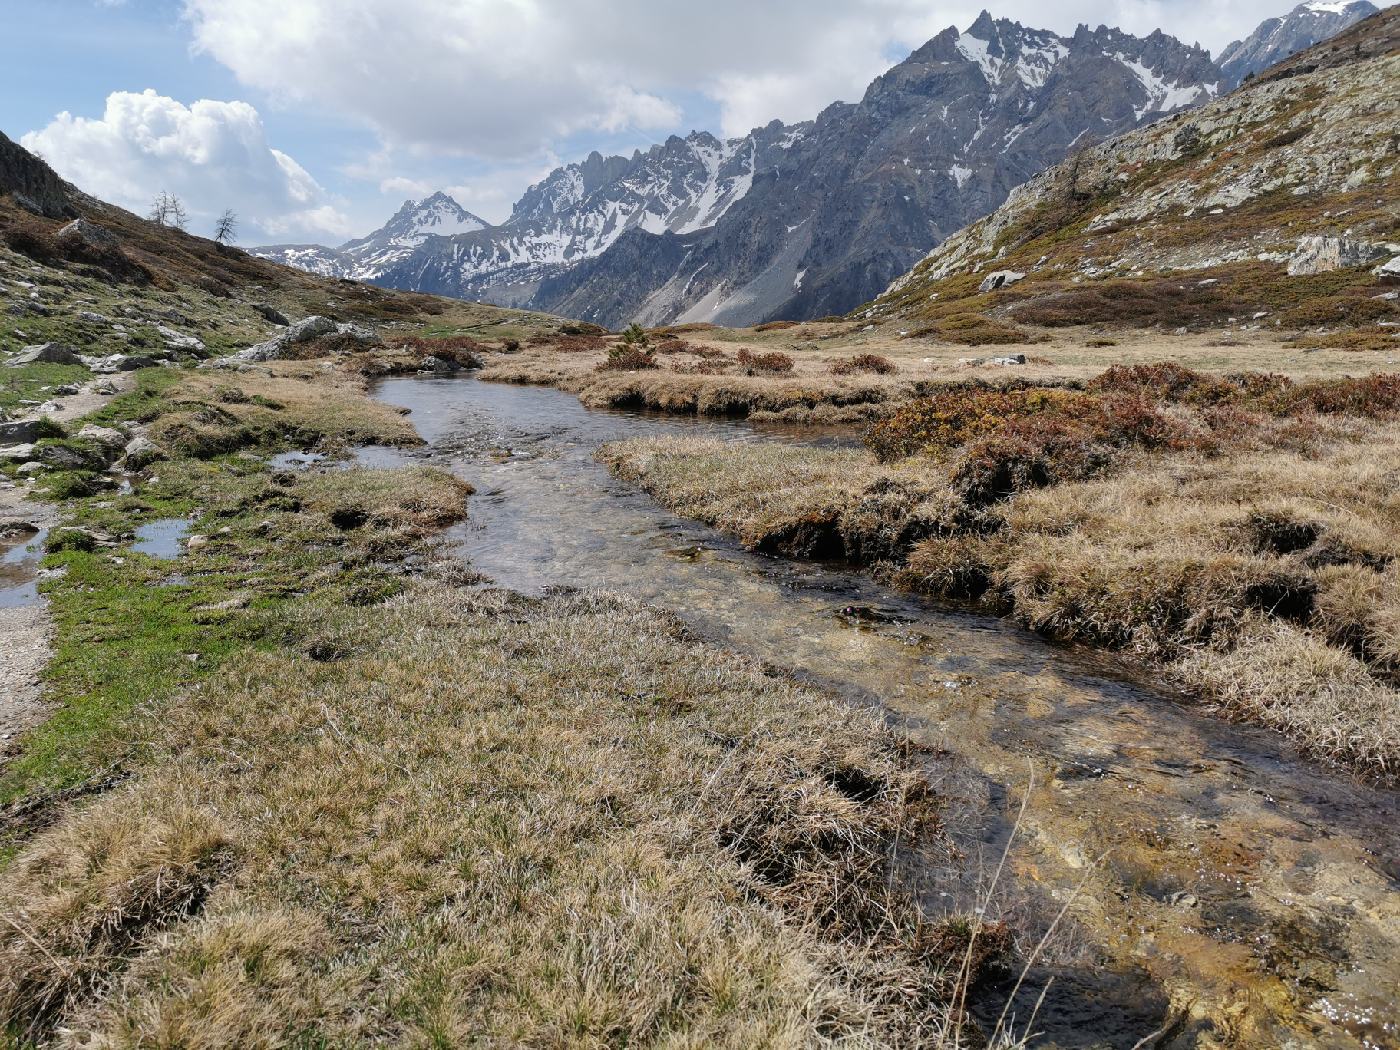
[213, 155]
[505, 79]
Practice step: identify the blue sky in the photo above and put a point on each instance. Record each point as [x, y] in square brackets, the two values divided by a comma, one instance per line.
[315, 119]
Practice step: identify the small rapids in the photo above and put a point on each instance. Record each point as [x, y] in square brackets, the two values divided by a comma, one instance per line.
[1225, 891]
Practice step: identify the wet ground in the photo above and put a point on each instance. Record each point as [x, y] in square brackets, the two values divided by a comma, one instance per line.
[1220, 886]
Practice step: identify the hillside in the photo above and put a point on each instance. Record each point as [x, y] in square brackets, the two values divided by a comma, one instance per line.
[1271, 208]
[813, 218]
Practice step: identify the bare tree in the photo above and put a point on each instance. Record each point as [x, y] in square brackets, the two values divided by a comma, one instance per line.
[226, 229]
[168, 210]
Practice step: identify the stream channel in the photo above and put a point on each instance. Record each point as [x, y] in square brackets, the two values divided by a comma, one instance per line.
[1228, 889]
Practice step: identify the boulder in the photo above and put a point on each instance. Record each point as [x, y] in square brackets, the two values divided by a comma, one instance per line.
[1389, 270]
[1324, 254]
[18, 453]
[66, 457]
[92, 316]
[180, 341]
[81, 231]
[120, 363]
[1006, 360]
[999, 279]
[304, 331]
[28, 430]
[142, 452]
[111, 440]
[271, 314]
[46, 354]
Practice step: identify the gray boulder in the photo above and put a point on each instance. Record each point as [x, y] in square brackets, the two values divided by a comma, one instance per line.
[304, 331]
[142, 452]
[47, 354]
[18, 453]
[1389, 269]
[84, 232]
[999, 279]
[180, 341]
[271, 314]
[27, 430]
[65, 457]
[109, 439]
[1324, 254]
[120, 363]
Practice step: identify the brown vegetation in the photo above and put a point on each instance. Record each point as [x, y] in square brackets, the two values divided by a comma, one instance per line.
[872, 364]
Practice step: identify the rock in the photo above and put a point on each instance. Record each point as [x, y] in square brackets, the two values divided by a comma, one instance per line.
[28, 430]
[999, 279]
[47, 354]
[304, 331]
[1388, 269]
[271, 314]
[92, 316]
[30, 469]
[1008, 360]
[111, 440]
[65, 457]
[18, 453]
[179, 340]
[142, 452]
[104, 388]
[67, 390]
[1324, 254]
[120, 363]
[84, 232]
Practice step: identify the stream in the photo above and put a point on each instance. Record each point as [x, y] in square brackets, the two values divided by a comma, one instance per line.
[1227, 889]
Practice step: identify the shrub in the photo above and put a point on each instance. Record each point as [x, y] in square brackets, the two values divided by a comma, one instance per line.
[773, 363]
[674, 346]
[774, 326]
[976, 330]
[630, 354]
[868, 363]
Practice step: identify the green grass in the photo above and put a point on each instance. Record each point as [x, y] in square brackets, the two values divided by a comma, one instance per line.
[34, 382]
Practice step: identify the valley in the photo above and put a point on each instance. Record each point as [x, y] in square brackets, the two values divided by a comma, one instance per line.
[735, 601]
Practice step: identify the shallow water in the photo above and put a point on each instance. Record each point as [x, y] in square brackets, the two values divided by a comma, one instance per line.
[19, 569]
[1221, 878]
[163, 538]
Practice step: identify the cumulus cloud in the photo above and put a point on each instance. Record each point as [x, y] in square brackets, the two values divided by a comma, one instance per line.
[507, 78]
[213, 155]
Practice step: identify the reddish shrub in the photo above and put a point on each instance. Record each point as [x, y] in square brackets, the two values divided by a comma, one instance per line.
[774, 363]
[869, 363]
[623, 358]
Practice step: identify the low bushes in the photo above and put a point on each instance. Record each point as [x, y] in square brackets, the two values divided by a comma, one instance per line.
[872, 364]
[772, 363]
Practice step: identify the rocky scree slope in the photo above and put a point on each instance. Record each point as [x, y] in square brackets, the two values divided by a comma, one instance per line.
[1277, 205]
[1278, 38]
[811, 219]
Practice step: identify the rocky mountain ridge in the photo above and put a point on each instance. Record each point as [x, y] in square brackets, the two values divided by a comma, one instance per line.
[1277, 38]
[366, 257]
[814, 218]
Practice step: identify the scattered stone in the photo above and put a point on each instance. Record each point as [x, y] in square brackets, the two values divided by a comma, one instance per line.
[65, 457]
[18, 453]
[92, 316]
[67, 390]
[120, 363]
[47, 354]
[104, 388]
[194, 543]
[999, 279]
[1388, 269]
[1324, 254]
[30, 469]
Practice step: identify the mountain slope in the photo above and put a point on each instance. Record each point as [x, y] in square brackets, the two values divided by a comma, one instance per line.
[1271, 206]
[1276, 38]
[367, 257]
[814, 218]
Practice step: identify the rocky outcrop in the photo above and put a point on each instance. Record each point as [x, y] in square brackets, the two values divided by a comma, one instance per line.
[1323, 254]
[32, 182]
[46, 354]
[304, 331]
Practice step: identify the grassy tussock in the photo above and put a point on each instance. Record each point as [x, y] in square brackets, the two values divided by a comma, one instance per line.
[489, 819]
[210, 413]
[1264, 578]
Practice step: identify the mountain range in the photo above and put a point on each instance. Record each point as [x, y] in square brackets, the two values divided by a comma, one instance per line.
[803, 220]
[1276, 38]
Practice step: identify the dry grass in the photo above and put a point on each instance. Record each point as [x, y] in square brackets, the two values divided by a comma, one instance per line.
[485, 819]
[213, 412]
[1260, 571]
